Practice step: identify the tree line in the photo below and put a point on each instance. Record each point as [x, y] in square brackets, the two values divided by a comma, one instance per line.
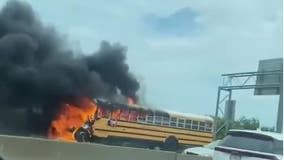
[224, 125]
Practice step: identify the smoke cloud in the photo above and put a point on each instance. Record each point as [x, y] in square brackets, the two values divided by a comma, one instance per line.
[37, 70]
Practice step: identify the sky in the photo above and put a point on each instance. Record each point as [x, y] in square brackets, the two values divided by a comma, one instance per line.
[179, 49]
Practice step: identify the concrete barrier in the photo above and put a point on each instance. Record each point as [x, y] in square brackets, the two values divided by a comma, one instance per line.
[26, 148]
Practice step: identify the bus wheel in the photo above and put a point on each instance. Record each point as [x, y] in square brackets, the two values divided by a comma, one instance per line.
[171, 144]
[82, 135]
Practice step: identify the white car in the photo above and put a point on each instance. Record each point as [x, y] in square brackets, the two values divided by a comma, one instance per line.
[250, 145]
[206, 150]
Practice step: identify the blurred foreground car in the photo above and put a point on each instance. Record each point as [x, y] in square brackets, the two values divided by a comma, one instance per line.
[250, 145]
[206, 150]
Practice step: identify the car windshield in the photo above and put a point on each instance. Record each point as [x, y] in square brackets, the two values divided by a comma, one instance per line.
[253, 142]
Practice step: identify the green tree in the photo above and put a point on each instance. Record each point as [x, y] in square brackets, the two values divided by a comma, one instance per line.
[246, 123]
[223, 125]
[269, 129]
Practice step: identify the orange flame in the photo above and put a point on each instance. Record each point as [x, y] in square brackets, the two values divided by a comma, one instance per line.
[115, 114]
[70, 118]
[131, 101]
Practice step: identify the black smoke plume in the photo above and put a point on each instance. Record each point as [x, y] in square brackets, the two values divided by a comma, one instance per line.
[38, 71]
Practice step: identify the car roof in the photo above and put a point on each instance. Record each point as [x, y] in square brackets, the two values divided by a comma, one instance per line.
[273, 135]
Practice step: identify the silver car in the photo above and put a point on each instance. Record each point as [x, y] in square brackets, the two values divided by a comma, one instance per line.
[206, 150]
[250, 145]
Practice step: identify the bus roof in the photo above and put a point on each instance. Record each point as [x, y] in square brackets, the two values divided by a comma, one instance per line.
[182, 114]
[178, 114]
[154, 109]
[175, 113]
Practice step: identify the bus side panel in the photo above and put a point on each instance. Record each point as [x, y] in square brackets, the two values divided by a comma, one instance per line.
[154, 133]
[164, 128]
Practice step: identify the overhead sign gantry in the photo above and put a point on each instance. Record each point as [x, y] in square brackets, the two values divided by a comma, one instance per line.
[268, 80]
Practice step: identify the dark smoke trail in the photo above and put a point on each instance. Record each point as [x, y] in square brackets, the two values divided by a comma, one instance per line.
[112, 68]
[37, 71]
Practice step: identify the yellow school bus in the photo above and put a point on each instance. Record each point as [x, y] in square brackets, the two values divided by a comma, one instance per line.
[133, 125]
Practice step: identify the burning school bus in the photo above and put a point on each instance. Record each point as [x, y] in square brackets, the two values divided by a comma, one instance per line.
[136, 126]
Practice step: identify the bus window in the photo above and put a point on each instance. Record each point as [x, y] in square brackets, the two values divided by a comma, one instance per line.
[115, 114]
[201, 126]
[208, 129]
[104, 113]
[99, 113]
[181, 123]
[107, 113]
[209, 126]
[150, 113]
[195, 125]
[124, 115]
[158, 120]
[188, 124]
[166, 121]
[141, 118]
[149, 119]
[133, 116]
[173, 122]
